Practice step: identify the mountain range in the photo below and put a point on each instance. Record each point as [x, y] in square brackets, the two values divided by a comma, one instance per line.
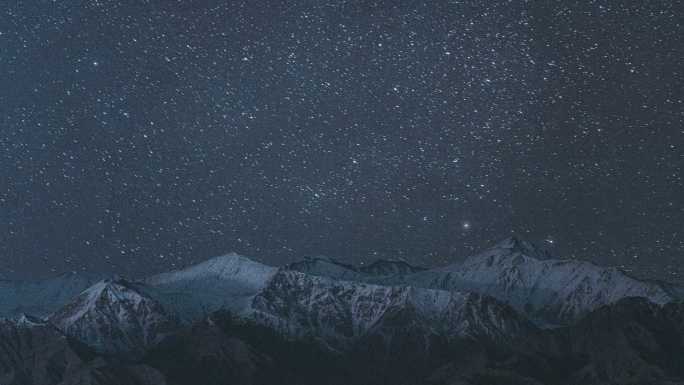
[512, 314]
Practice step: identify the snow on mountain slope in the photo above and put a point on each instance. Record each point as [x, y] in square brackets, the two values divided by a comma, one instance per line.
[226, 282]
[113, 317]
[41, 298]
[340, 312]
[552, 291]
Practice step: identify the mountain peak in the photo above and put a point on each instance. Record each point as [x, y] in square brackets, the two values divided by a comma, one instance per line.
[229, 258]
[114, 317]
[114, 285]
[509, 251]
[553, 291]
[106, 291]
[225, 266]
[224, 282]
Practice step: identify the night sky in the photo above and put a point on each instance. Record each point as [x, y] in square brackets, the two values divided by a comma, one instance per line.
[138, 136]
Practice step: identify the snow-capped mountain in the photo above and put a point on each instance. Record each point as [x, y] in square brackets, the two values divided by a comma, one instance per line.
[388, 322]
[341, 312]
[226, 282]
[552, 291]
[333, 310]
[114, 317]
[42, 297]
[549, 291]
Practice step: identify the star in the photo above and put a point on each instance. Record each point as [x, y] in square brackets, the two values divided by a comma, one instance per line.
[333, 133]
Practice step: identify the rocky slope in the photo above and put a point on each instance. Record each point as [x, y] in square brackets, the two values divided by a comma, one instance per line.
[550, 291]
[338, 313]
[36, 353]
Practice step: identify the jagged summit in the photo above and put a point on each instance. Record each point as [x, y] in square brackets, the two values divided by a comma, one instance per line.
[109, 291]
[117, 287]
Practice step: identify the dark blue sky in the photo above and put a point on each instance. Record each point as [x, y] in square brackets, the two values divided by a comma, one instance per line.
[138, 136]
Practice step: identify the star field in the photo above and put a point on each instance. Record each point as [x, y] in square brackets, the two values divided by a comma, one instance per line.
[141, 136]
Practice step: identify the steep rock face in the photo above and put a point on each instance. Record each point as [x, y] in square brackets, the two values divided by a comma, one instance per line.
[226, 282]
[338, 313]
[552, 291]
[113, 317]
[42, 297]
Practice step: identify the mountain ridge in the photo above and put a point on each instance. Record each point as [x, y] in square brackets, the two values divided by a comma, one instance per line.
[390, 322]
